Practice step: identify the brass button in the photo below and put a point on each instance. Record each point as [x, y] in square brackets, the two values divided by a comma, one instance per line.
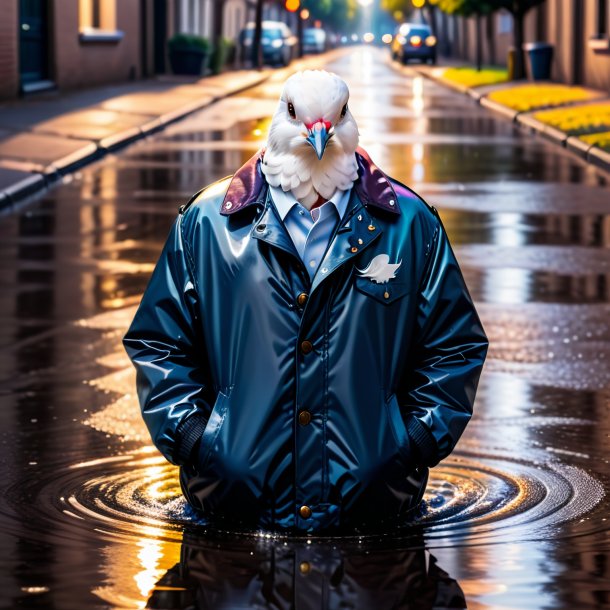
[304, 567]
[354, 249]
[306, 346]
[386, 295]
[304, 417]
[305, 512]
[302, 298]
[371, 227]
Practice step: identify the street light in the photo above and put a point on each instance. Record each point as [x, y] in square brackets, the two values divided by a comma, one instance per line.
[304, 14]
[292, 5]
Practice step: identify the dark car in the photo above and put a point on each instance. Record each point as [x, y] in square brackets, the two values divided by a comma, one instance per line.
[414, 41]
[277, 41]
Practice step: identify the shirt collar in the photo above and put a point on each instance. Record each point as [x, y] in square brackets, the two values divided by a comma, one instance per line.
[285, 200]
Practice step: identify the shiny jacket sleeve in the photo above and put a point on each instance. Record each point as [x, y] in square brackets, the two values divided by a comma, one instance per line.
[164, 344]
[438, 387]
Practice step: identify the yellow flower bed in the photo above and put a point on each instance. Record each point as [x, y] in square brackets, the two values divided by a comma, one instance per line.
[470, 77]
[529, 97]
[598, 139]
[578, 120]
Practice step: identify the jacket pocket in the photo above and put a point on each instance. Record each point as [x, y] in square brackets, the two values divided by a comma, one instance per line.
[399, 430]
[212, 428]
[386, 292]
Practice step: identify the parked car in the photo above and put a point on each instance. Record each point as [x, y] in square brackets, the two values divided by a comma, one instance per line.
[413, 41]
[277, 41]
[314, 40]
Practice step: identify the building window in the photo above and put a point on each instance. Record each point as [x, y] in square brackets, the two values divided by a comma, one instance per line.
[600, 42]
[505, 22]
[602, 18]
[96, 16]
[97, 21]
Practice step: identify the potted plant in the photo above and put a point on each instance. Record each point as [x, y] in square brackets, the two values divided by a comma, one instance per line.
[222, 55]
[188, 53]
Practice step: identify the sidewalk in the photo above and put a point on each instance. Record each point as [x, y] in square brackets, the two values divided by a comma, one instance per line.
[575, 117]
[47, 136]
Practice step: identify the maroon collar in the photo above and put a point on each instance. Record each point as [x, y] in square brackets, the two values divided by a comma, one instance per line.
[372, 185]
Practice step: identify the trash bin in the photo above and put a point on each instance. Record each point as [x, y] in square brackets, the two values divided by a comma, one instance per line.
[540, 57]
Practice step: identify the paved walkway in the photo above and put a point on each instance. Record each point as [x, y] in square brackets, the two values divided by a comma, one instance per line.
[43, 138]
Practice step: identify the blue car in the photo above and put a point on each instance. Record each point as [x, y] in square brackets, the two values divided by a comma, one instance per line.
[414, 41]
[278, 43]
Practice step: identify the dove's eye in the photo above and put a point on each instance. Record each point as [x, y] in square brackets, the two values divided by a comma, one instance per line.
[343, 111]
[291, 110]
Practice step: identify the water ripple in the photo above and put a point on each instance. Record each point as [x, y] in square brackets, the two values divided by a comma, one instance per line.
[468, 500]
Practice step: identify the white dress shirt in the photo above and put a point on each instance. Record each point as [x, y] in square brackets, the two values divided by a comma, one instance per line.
[310, 231]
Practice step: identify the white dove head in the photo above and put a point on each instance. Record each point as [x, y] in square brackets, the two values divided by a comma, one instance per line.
[313, 116]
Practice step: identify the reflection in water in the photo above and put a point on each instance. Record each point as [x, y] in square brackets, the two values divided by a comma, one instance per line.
[229, 574]
[417, 99]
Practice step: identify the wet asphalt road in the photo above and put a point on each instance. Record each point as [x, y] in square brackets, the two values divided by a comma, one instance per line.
[516, 517]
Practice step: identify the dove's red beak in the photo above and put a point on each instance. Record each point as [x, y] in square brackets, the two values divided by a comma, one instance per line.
[319, 133]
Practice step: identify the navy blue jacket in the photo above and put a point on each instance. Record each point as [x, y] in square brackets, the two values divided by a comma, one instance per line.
[298, 405]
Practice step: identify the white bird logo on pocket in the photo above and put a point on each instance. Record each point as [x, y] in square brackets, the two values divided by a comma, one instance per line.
[380, 269]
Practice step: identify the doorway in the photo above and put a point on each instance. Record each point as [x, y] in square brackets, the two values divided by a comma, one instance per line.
[160, 35]
[34, 45]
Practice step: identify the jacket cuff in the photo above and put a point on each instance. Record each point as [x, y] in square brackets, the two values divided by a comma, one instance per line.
[187, 434]
[423, 441]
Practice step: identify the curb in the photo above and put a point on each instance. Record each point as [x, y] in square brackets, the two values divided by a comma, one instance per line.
[599, 157]
[23, 179]
[23, 186]
[505, 111]
[577, 146]
[526, 119]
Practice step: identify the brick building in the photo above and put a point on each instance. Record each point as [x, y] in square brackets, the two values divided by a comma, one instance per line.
[60, 44]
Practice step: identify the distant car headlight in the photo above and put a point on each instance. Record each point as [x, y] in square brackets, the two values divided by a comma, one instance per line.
[401, 39]
[415, 41]
[430, 41]
[276, 44]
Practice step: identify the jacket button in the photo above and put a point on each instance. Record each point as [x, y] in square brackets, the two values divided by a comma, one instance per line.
[304, 567]
[302, 298]
[306, 347]
[305, 512]
[304, 418]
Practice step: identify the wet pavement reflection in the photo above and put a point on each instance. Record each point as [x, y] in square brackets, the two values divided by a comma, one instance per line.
[517, 517]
